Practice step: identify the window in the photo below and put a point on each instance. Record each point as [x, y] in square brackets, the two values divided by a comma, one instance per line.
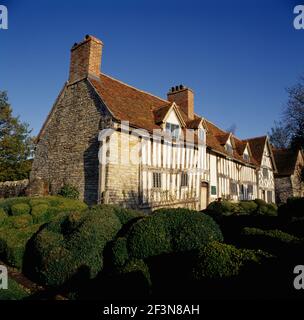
[228, 148]
[173, 129]
[265, 173]
[250, 189]
[233, 188]
[156, 180]
[201, 134]
[184, 179]
[269, 196]
[242, 189]
[213, 190]
[246, 157]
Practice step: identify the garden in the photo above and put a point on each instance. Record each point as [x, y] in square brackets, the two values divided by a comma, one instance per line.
[229, 250]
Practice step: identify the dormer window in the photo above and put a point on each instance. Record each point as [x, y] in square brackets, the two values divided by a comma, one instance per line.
[173, 129]
[229, 148]
[201, 134]
[246, 157]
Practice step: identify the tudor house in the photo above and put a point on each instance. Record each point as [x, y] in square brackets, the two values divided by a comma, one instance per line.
[118, 144]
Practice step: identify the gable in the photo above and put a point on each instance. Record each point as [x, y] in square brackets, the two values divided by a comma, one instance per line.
[172, 117]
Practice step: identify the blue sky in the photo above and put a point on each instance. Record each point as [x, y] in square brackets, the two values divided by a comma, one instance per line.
[237, 56]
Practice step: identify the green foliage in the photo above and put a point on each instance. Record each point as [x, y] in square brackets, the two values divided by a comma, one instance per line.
[136, 266]
[218, 260]
[273, 241]
[20, 208]
[71, 246]
[14, 291]
[13, 242]
[16, 227]
[3, 217]
[21, 221]
[69, 191]
[249, 207]
[16, 145]
[264, 208]
[171, 230]
[119, 252]
[223, 207]
[294, 207]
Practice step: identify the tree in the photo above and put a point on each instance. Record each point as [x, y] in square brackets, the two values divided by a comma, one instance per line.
[291, 129]
[279, 136]
[16, 145]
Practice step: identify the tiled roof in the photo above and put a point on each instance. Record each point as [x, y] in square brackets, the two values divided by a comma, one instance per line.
[147, 111]
[257, 146]
[285, 160]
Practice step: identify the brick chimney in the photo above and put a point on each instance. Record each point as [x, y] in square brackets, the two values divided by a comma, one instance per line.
[85, 59]
[184, 98]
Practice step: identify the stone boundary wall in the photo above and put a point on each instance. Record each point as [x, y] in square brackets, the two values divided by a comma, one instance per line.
[10, 189]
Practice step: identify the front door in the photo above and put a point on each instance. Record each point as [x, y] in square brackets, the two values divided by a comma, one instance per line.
[204, 196]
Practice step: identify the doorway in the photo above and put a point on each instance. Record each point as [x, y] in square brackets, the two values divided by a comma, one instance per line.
[204, 195]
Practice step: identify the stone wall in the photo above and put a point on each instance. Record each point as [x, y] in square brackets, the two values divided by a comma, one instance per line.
[283, 188]
[10, 189]
[67, 150]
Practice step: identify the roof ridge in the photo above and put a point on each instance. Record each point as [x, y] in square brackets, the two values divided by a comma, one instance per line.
[134, 88]
[264, 136]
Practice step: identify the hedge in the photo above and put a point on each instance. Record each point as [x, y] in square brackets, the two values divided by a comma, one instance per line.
[294, 207]
[171, 230]
[119, 252]
[273, 241]
[218, 260]
[21, 217]
[71, 247]
[223, 207]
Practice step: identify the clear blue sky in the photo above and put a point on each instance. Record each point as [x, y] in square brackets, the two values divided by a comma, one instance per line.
[237, 56]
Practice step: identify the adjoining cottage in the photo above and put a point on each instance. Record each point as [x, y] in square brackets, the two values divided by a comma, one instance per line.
[288, 179]
[118, 144]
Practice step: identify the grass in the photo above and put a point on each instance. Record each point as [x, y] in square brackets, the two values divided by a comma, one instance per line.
[14, 291]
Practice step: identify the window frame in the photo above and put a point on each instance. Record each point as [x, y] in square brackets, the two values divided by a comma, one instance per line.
[156, 180]
[173, 129]
[184, 179]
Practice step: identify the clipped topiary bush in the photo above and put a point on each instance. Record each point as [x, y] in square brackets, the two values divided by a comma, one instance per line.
[171, 230]
[218, 260]
[69, 191]
[223, 207]
[21, 221]
[17, 229]
[20, 208]
[248, 207]
[294, 207]
[71, 247]
[273, 241]
[119, 252]
[264, 208]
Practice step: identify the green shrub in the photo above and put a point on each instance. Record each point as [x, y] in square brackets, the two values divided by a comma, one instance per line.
[71, 246]
[20, 208]
[69, 191]
[264, 208]
[223, 207]
[14, 291]
[136, 266]
[3, 217]
[248, 207]
[296, 227]
[294, 207]
[13, 242]
[218, 260]
[171, 230]
[16, 230]
[40, 213]
[273, 241]
[21, 221]
[119, 252]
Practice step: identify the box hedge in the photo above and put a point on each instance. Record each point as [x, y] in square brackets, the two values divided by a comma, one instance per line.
[171, 230]
[224, 207]
[273, 241]
[16, 228]
[294, 207]
[71, 247]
